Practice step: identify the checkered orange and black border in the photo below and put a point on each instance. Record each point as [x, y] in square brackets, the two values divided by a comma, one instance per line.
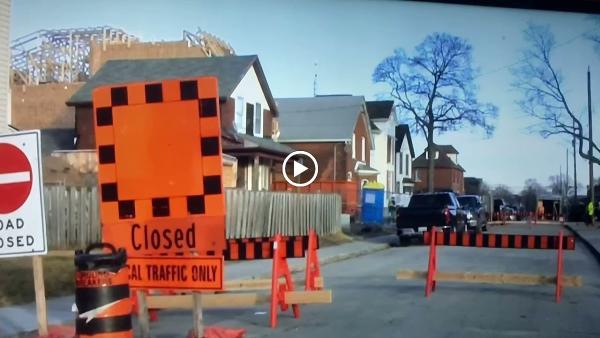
[188, 105]
[262, 248]
[507, 241]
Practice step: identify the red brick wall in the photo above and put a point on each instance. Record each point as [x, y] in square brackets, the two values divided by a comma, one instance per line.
[43, 106]
[227, 113]
[84, 125]
[324, 154]
[445, 178]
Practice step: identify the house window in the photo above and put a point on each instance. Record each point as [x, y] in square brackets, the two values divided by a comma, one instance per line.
[249, 119]
[362, 149]
[353, 146]
[258, 120]
[399, 164]
[240, 120]
[406, 164]
[389, 149]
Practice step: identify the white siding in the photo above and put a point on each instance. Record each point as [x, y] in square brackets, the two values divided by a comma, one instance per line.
[380, 161]
[4, 62]
[250, 90]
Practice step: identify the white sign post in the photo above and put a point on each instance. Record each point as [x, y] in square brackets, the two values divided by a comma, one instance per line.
[22, 216]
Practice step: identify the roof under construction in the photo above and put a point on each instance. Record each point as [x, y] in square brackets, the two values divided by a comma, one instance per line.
[65, 55]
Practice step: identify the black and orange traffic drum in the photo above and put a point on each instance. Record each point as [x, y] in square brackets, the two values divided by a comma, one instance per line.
[102, 293]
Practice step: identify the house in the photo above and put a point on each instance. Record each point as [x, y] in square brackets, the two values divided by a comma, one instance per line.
[405, 154]
[248, 111]
[473, 186]
[336, 130]
[4, 65]
[383, 157]
[449, 175]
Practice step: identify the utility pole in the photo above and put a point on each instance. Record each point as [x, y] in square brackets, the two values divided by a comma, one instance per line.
[590, 149]
[566, 195]
[574, 166]
[315, 80]
[560, 184]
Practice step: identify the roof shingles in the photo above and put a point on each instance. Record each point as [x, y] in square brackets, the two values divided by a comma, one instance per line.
[228, 69]
[321, 118]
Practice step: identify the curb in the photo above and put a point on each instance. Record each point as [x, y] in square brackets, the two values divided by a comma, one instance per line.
[338, 258]
[589, 245]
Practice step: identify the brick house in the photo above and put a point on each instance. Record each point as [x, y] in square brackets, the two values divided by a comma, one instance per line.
[248, 111]
[336, 130]
[449, 174]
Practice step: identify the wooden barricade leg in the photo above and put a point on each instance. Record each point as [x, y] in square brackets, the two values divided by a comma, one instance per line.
[559, 268]
[280, 269]
[313, 268]
[430, 282]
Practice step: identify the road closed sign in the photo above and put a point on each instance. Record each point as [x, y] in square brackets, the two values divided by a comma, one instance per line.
[22, 218]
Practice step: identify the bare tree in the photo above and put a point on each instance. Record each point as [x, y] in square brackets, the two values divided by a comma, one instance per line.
[503, 192]
[436, 87]
[543, 93]
[530, 193]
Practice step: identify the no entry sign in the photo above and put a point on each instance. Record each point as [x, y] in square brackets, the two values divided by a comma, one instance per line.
[22, 219]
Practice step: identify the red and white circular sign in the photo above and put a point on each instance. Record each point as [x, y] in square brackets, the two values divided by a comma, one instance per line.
[15, 178]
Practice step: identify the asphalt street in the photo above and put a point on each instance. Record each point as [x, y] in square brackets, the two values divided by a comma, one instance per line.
[369, 302]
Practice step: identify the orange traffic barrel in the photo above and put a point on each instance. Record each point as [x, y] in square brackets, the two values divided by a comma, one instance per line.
[102, 293]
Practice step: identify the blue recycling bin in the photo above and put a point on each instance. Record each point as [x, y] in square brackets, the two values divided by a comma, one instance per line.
[372, 203]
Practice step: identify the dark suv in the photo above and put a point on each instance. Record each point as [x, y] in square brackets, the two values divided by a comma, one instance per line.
[476, 213]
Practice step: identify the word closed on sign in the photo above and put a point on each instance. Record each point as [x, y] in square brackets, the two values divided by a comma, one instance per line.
[184, 273]
[160, 166]
[22, 217]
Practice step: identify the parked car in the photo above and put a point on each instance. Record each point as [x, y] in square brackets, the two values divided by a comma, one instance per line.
[425, 211]
[510, 212]
[476, 212]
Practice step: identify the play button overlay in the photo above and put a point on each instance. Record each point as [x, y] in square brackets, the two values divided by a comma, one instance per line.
[299, 163]
[299, 168]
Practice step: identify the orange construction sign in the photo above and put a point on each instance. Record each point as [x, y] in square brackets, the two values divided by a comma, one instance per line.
[182, 273]
[160, 166]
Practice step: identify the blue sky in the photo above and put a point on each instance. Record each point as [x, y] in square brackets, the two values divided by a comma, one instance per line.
[347, 39]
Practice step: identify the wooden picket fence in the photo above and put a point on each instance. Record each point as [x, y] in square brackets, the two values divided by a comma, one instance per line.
[72, 214]
[267, 213]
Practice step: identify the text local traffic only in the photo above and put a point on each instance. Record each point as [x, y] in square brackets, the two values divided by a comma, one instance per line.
[11, 234]
[174, 273]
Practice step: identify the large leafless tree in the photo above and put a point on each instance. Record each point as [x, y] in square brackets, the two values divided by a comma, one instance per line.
[435, 87]
[543, 94]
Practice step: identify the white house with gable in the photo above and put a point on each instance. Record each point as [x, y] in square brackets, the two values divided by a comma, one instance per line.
[383, 159]
[405, 154]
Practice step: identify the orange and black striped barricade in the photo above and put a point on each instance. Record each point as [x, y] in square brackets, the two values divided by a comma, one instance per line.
[281, 269]
[504, 241]
[313, 267]
[102, 293]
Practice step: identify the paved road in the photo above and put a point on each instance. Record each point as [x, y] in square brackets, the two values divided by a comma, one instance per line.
[369, 302]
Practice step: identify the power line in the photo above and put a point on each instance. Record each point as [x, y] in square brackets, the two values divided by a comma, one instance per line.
[562, 44]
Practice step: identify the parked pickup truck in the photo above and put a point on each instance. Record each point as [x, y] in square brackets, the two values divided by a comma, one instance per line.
[426, 210]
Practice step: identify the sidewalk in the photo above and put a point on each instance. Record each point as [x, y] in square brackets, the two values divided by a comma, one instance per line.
[590, 236]
[22, 318]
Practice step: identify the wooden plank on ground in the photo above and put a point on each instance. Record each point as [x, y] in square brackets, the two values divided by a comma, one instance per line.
[308, 297]
[209, 301]
[492, 278]
[259, 284]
